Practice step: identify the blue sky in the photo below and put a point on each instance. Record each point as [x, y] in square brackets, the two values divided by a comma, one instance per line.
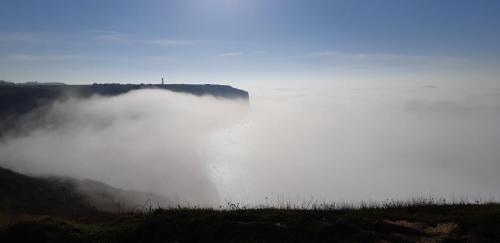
[245, 41]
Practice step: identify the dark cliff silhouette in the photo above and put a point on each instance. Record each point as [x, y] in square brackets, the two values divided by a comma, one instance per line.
[19, 99]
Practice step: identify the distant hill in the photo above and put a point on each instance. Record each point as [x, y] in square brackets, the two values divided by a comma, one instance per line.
[111, 199]
[29, 195]
[22, 194]
[40, 83]
[6, 83]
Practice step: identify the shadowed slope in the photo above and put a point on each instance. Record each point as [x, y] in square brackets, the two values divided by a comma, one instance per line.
[24, 194]
[21, 194]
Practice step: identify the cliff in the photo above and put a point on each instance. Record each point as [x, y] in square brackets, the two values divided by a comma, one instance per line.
[18, 99]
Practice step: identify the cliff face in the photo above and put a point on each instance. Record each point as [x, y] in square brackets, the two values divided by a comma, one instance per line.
[20, 99]
[219, 91]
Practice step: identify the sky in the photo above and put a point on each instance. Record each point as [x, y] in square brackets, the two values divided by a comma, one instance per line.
[247, 42]
[357, 100]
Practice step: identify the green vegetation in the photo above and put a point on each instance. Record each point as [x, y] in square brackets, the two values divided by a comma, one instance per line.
[399, 223]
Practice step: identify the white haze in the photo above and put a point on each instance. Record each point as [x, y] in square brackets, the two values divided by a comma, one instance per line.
[339, 144]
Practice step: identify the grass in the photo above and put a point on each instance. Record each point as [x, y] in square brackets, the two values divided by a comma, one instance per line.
[401, 222]
[47, 210]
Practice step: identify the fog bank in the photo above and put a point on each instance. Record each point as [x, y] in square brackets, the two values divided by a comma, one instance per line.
[366, 144]
[147, 140]
[337, 144]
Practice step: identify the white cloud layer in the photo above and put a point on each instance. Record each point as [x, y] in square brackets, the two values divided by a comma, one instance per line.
[339, 144]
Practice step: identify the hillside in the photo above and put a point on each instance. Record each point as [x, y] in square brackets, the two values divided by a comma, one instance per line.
[22, 194]
[29, 195]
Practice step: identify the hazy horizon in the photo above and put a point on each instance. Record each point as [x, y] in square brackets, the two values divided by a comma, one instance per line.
[245, 43]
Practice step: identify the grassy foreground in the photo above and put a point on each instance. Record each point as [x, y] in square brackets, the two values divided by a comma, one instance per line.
[34, 209]
[396, 223]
